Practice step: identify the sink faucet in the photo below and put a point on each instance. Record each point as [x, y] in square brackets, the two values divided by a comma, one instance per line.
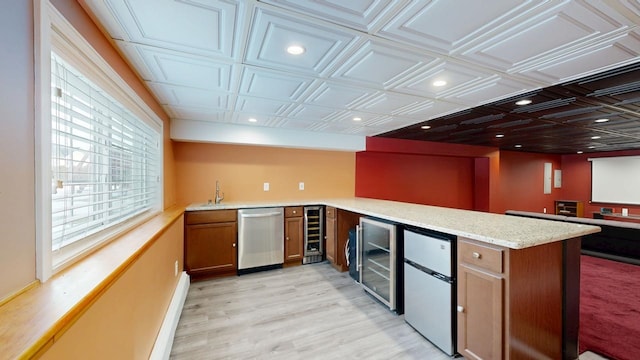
[219, 195]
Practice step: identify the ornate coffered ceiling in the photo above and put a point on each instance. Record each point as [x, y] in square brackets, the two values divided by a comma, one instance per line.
[225, 62]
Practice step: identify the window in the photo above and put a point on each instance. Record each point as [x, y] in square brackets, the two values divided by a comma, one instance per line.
[104, 160]
[98, 148]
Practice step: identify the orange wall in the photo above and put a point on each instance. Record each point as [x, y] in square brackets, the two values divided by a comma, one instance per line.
[576, 181]
[124, 321]
[242, 170]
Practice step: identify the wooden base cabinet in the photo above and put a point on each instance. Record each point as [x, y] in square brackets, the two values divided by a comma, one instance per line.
[330, 234]
[480, 303]
[511, 302]
[210, 243]
[337, 226]
[293, 235]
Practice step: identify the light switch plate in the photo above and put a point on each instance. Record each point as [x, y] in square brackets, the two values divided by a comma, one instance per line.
[300, 186]
[265, 187]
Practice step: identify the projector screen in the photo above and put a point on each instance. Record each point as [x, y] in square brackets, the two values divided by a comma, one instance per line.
[615, 180]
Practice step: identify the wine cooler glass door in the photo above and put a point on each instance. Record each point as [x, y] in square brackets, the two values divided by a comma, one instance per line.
[377, 256]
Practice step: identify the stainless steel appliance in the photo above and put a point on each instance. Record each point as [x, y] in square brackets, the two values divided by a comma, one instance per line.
[377, 260]
[313, 234]
[260, 238]
[429, 286]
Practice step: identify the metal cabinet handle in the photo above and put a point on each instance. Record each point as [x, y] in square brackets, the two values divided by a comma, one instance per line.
[287, 238]
[476, 255]
[234, 244]
[460, 309]
[294, 211]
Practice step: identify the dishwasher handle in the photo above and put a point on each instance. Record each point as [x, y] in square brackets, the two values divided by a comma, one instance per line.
[260, 215]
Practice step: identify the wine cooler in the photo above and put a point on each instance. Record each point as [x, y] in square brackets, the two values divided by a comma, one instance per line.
[313, 234]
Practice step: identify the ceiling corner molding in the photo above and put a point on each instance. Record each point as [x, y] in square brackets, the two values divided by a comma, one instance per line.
[204, 131]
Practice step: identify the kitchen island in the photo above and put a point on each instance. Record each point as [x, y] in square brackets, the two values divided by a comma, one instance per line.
[518, 278]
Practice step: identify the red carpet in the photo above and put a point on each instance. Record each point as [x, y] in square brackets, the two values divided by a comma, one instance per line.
[609, 308]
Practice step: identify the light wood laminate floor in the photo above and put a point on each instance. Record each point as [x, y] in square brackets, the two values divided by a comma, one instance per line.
[303, 312]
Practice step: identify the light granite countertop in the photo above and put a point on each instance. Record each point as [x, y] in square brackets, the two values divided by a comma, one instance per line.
[509, 231]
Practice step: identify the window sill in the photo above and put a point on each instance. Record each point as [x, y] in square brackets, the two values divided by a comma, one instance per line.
[33, 320]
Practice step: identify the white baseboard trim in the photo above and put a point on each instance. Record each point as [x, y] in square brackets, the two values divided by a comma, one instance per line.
[162, 348]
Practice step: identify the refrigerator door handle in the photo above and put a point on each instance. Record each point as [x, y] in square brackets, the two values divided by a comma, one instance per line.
[358, 248]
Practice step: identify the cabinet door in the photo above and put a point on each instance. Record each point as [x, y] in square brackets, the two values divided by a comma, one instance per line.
[330, 245]
[293, 239]
[211, 248]
[480, 314]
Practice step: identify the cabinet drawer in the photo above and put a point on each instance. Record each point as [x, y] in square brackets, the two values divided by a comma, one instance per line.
[485, 257]
[293, 211]
[210, 216]
[331, 212]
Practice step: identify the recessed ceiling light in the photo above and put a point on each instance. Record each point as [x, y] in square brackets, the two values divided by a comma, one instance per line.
[602, 120]
[517, 145]
[595, 137]
[578, 152]
[295, 50]
[499, 135]
[425, 127]
[523, 102]
[357, 118]
[439, 83]
[592, 147]
[253, 119]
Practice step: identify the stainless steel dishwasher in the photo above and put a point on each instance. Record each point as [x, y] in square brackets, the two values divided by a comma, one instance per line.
[260, 239]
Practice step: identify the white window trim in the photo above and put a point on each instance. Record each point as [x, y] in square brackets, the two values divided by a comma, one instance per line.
[48, 19]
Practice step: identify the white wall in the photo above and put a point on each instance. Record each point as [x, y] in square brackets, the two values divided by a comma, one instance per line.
[17, 215]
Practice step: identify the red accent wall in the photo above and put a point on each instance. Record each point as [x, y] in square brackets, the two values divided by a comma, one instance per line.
[522, 181]
[422, 179]
[450, 175]
[576, 181]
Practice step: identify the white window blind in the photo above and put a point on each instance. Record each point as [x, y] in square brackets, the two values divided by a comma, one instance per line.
[105, 162]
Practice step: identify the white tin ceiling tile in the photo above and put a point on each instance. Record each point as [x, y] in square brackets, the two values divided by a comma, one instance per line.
[255, 105]
[171, 67]
[379, 64]
[361, 15]
[634, 10]
[336, 128]
[310, 112]
[457, 76]
[261, 120]
[195, 113]
[184, 96]
[297, 124]
[499, 88]
[347, 117]
[194, 26]
[623, 51]
[271, 34]
[433, 110]
[337, 96]
[566, 28]
[265, 83]
[444, 26]
[390, 103]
